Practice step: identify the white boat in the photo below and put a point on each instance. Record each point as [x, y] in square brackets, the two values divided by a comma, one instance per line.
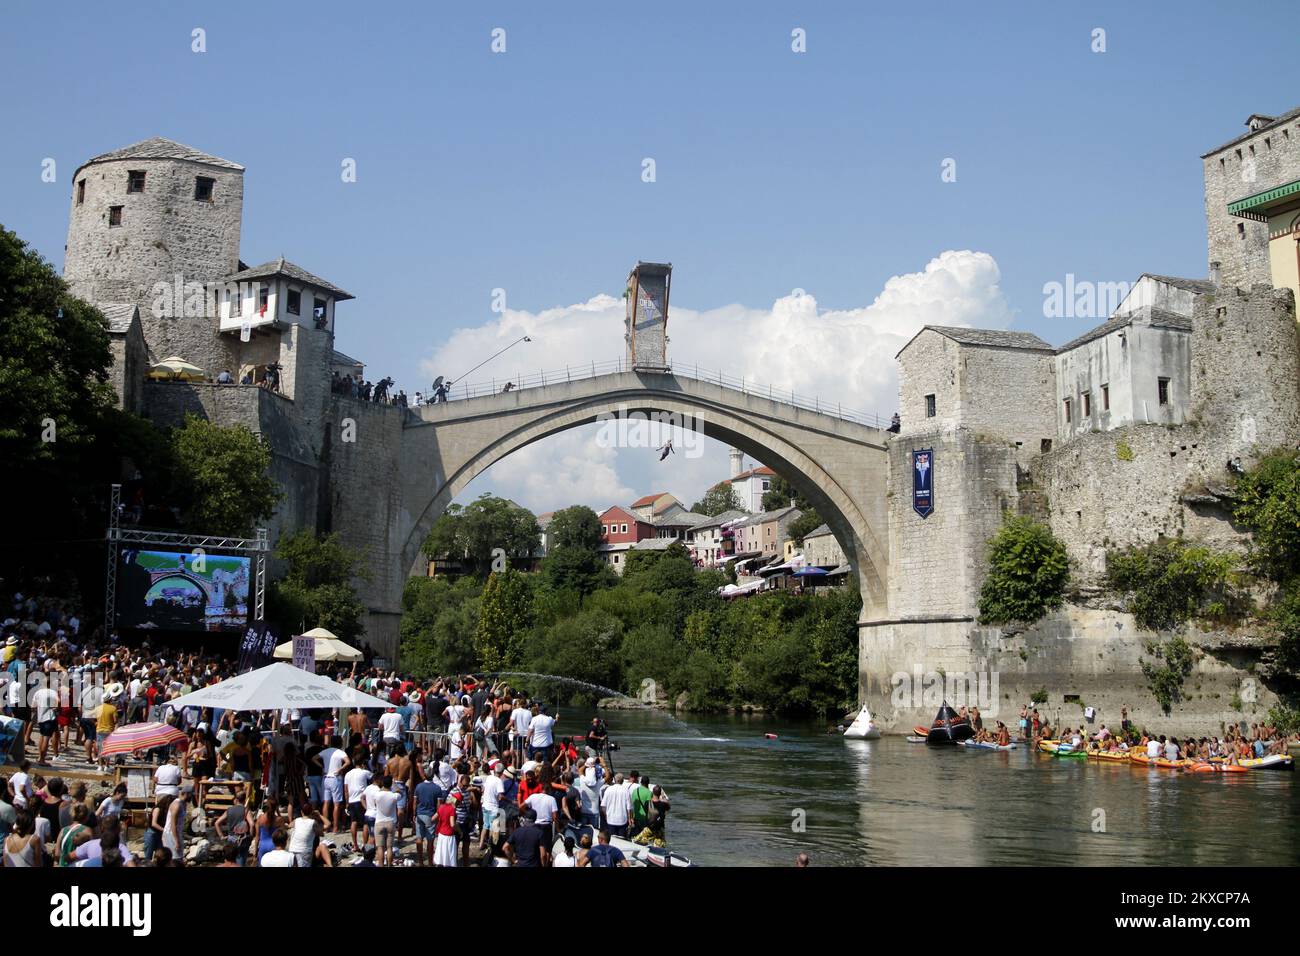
[863, 727]
[636, 854]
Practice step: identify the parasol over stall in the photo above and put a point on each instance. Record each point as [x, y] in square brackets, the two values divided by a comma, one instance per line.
[135, 738]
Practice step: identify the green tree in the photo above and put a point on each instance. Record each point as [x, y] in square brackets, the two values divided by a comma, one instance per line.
[585, 647]
[317, 588]
[475, 532]
[504, 619]
[1171, 581]
[721, 497]
[1028, 572]
[222, 474]
[579, 570]
[439, 621]
[1268, 503]
[575, 527]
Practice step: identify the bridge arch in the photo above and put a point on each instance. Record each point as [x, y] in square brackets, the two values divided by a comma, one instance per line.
[839, 466]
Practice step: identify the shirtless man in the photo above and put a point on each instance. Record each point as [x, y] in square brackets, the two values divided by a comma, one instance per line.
[358, 726]
[405, 774]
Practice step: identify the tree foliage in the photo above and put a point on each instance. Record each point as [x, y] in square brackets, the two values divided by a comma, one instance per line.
[721, 497]
[575, 527]
[222, 475]
[1171, 581]
[808, 520]
[1268, 503]
[473, 533]
[1166, 674]
[1027, 575]
[317, 589]
[505, 616]
[439, 621]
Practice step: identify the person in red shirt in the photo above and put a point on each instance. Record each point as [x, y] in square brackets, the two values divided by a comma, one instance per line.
[448, 830]
[529, 787]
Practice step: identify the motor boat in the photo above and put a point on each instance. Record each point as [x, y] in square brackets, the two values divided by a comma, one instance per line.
[863, 727]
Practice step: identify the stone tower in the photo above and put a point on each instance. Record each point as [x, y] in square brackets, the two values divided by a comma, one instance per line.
[157, 212]
[648, 286]
[737, 462]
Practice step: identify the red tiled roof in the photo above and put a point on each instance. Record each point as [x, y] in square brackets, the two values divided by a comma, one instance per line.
[760, 470]
[648, 499]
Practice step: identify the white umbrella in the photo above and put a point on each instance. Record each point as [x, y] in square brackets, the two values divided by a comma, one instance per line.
[275, 687]
[328, 648]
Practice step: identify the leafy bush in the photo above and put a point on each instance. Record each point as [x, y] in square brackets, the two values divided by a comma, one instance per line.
[1171, 581]
[1285, 618]
[1166, 679]
[1028, 572]
[1268, 503]
[1285, 719]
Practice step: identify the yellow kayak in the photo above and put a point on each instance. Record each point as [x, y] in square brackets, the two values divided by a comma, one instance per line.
[1113, 756]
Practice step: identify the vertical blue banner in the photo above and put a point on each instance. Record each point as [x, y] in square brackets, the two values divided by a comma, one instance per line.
[923, 481]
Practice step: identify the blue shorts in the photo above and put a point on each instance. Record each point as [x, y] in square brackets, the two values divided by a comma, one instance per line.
[334, 789]
[425, 828]
[315, 790]
[400, 790]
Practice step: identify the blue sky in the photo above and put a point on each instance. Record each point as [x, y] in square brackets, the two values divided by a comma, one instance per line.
[775, 170]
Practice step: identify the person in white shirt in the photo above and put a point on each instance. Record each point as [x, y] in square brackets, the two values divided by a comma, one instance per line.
[279, 856]
[520, 718]
[20, 786]
[617, 806]
[333, 760]
[1153, 748]
[545, 807]
[540, 734]
[493, 789]
[167, 779]
[589, 794]
[384, 809]
[566, 857]
[1171, 749]
[355, 782]
[302, 838]
[391, 725]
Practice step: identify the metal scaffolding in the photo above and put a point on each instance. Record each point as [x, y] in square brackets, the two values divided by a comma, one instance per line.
[257, 546]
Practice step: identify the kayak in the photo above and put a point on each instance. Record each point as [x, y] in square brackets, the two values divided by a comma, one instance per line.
[913, 739]
[1142, 760]
[1113, 756]
[1217, 768]
[1271, 762]
[921, 731]
[1069, 753]
[1048, 746]
[986, 745]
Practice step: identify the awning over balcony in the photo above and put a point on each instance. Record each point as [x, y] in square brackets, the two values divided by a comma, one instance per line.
[1261, 205]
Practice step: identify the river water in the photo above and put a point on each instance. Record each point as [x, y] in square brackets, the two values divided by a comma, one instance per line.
[738, 796]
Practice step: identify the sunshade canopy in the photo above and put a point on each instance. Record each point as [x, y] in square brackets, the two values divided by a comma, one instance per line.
[328, 648]
[276, 686]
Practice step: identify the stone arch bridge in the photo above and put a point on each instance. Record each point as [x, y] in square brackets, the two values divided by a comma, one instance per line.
[392, 499]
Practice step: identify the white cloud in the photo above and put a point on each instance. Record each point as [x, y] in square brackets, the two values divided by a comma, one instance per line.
[844, 356]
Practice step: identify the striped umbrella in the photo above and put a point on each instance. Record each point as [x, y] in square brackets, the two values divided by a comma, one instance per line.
[134, 737]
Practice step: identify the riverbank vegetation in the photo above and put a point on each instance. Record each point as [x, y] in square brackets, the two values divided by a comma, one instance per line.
[658, 631]
[1028, 573]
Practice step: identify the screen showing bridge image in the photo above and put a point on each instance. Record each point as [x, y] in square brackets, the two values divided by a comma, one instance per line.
[182, 591]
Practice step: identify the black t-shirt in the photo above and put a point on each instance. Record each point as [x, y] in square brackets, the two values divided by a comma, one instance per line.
[478, 700]
[573, 800]
[433, 709]
[527, 841]
[310, 754]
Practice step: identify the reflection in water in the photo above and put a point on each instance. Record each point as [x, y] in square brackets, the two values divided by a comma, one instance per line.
[890, 803]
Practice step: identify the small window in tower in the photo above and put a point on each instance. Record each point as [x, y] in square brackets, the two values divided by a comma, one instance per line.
[135, 181]
[929, 406]
[318, 312]
[203, 186]
[115, 215]
[1068, 416]
[81, 192]
[263, 299]
[1238, 152]
[236, 302]
[293, 302]
[1087, 404]
[1241, 230]
[1105, 398]
[1163, 387]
